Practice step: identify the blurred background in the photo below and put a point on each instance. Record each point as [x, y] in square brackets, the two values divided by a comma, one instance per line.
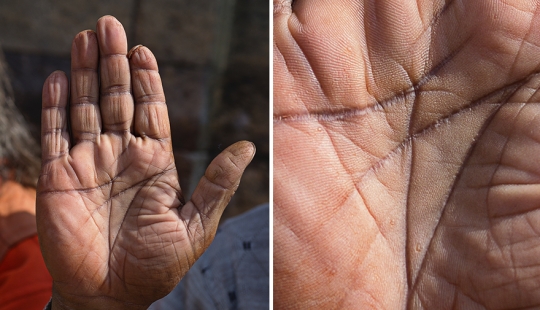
[213, 57]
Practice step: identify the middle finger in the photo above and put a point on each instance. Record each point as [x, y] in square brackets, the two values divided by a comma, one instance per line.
[116, 101]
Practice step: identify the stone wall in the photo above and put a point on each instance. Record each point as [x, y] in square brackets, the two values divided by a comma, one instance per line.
[213, 58]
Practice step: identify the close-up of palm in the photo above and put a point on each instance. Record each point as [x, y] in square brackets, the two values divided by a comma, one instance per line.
[406, 137]
[114, 229]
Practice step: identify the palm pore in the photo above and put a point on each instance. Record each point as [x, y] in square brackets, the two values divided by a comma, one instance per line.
[419, 121]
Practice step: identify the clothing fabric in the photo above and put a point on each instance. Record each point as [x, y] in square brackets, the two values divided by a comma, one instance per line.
[25, 282]
[48, 306]
[233, 273]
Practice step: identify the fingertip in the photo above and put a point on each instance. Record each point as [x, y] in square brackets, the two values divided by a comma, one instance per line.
[84, 50]
[245, 149]
[55, 89]
[222, 178]
[54, 138]
[111, 36]
[105, 19]
[133, 49]
[254, 151]
[55, 75]
[227, 168]
[58, 77]
[141, 56]
[83, 39]
[84, 35]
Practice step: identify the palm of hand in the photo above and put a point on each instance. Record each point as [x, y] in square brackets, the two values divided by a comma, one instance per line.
[113, 230]
[126, 211]
[412, 181]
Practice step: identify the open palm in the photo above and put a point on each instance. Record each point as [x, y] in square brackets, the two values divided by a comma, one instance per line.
[114, 230]
[406, 137]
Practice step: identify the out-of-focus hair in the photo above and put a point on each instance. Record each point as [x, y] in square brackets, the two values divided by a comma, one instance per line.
[19, 152]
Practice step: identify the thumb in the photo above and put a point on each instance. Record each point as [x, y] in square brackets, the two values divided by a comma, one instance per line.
[215, 190]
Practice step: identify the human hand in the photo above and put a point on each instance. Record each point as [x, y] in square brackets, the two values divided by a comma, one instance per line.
[113, 228]
[405, 136]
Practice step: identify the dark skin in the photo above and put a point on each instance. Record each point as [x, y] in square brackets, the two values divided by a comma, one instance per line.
[406, 138]
[114, 230]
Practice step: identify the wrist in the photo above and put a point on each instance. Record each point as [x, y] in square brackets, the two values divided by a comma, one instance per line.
[61, 301]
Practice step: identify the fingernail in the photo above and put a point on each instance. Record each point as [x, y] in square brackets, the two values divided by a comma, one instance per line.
[54, 87]
[133, 49]
[254, 149]
[106, 30]
[81, 43]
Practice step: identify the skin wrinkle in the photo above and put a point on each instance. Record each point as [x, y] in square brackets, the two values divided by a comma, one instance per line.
[219, 186]
[449, 195]
[115, 91]
[511, 215]
[447, 120]
[514, 267]
[371, 214]
[378, 105]
[282, 58]
[307, 63]
[534, 229]
[288, 65]
[115, 85]
[363, 261]
[325, 88]
[84, 100]
[312, 73]
[84, 69]
[365, 150]
[199, 230]
[203, 202]
[418, 86]
[81, 265]
[368, 72]
[472, 298]
[86, 137]
[192, 235]
[53, 131]
[113, 246]
[345, 198]
[490, 218]
[503, 66]
[414, 88]
[369, 68]
[106, 184]
[456, 179]
[356, 184]
[503, 150]
[307, 246]
[459, 291]
[139, 188]
[368, 63]
[145, 101]
[106, 56]
[411, 278]
[352, 181]
[146, 71]
[499, 248]
[282, 7]
[520, 49]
